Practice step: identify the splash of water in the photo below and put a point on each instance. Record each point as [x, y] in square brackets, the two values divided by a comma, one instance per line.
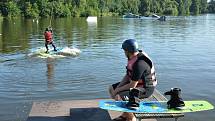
[61, 52]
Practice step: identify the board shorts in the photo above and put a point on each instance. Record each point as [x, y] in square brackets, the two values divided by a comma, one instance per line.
[49, 42]
[143, 92]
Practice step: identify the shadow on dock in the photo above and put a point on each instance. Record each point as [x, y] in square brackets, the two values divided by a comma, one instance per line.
[77, 114]
[38, 118]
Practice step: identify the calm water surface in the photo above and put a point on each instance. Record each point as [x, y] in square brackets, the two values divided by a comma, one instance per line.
[182, 49]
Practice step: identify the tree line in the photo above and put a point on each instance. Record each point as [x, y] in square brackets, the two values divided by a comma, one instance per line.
[84, 8]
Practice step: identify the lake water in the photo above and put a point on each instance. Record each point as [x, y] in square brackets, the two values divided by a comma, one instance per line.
[182, 49]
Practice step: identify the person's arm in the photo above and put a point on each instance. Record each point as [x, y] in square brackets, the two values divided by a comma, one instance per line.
[125, 80]
[132, 84]
[138, 71]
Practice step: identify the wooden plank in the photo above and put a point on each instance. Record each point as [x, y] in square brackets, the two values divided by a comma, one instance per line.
[59, 108]
[75, 110]
[158, 96]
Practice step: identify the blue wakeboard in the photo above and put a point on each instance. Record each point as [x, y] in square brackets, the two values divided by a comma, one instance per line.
[155, 106]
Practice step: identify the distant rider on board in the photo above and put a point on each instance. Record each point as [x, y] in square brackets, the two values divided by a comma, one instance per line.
[48, 39]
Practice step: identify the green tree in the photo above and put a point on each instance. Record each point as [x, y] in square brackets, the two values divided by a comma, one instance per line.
[134, 6]
[145, 7]
[181, 7]
[76, 8]
[171, 8]
[31, 11]
[45, 8]
[211, 7]
[115, 6]
[75, 12]
[184, 6]
[82, 8]
[204, 6]
[187, 5]
[92, 8]
[195, 7]
[11, 9]
[101, 6]
[60, 9]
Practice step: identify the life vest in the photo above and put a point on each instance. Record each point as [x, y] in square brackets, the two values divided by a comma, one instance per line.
[48, 36]
[148, 78]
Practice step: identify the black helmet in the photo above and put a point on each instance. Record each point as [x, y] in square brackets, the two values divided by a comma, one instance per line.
[130, 45]
[47, 29]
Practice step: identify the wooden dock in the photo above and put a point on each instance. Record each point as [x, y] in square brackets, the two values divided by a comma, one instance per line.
[76, 110]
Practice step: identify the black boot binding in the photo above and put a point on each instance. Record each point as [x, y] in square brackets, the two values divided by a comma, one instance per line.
[133, 102]
[175, 98]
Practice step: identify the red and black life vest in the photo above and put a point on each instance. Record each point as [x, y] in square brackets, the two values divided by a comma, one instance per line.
[48, 36]
[149, 78]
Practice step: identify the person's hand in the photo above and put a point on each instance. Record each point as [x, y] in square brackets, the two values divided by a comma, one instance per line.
[117, 97]
[115, 92]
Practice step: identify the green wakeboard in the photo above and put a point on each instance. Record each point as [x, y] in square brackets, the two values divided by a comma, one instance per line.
[156, 106]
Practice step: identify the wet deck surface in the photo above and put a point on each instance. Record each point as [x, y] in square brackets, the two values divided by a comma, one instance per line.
[75, 110]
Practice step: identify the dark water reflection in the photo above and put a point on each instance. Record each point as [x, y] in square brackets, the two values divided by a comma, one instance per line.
[182, 49]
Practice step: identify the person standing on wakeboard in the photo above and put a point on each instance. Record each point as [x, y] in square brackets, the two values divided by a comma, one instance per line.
[48, 39]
